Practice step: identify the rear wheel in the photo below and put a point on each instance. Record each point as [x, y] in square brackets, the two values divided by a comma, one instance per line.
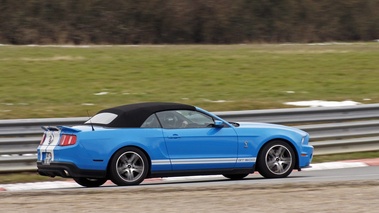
[90, 182]
[128, 166]
[276, 160]
[235, 176]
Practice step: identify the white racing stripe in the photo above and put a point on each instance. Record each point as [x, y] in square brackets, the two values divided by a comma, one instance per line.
[160, 162]
[203, 161]
[50, 142]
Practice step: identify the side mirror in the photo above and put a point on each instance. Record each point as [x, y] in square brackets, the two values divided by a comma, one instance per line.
[218, 124]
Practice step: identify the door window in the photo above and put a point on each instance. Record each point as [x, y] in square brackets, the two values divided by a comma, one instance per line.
[151, 122]
[177, 119]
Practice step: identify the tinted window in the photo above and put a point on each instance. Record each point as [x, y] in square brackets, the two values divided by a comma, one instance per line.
[151, 122]
[184, 119]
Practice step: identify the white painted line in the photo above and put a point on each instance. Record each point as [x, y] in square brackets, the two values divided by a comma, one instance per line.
[334, 165]
[197, 177]
[38, 185]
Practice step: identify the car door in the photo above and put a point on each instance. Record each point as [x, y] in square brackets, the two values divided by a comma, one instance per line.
[194, 143]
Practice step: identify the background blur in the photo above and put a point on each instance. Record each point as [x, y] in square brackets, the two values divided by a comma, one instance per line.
[187, 21]
[294, 50]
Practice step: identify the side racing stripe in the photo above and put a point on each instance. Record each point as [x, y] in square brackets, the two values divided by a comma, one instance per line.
[204, 161]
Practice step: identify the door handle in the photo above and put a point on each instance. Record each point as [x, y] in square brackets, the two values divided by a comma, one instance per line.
[174, 136]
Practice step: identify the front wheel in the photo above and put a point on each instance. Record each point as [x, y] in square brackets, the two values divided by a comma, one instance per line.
[276, 160]
[90, 182]
[128, 166]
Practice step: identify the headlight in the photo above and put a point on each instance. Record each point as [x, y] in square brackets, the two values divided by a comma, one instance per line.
[302, 140]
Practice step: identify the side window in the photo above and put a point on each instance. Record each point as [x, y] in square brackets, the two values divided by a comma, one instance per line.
[176, 119]
[169, 119]
[151, 122]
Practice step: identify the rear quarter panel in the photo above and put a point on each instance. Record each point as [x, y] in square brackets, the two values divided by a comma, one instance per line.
[100, 145]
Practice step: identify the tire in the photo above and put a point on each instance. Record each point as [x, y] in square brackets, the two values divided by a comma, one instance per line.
[276, 160]
[90, 182]
[128, 166]
[235, 176]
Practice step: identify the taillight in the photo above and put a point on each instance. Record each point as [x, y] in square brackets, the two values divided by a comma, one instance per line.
[43, 139]
[67, 140]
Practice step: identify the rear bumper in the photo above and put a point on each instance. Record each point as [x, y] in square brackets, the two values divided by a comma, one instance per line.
[68, 170]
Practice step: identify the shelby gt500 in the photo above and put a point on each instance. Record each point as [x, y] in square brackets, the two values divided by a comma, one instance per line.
[129, 143]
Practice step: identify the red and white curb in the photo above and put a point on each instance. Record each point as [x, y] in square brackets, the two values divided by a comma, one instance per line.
[72, 184]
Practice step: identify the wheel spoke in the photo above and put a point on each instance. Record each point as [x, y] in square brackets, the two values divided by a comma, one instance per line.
[129, 175]
[280, 168]
[281, 151]
[271, 161]
[271, 153]
[272, 166]
[286, 160]
[122, 169]
[133, 159]
[123, 159]
[137, 169]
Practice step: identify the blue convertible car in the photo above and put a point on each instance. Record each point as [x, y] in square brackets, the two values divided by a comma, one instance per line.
[129, 143]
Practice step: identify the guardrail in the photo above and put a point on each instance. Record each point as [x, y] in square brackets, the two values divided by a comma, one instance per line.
[332, 130]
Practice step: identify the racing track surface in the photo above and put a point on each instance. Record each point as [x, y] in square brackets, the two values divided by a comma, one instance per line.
[330, 190]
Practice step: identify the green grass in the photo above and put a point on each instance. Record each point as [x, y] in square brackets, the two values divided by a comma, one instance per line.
[25, 177]
[34, 177]
[345, 156]
[39, 82]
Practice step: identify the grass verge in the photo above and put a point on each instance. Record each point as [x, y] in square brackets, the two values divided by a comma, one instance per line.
[48, 81]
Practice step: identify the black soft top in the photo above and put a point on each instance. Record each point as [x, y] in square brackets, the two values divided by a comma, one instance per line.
[133, 115]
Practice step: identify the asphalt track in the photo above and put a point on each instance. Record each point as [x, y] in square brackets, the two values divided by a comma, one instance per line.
[338, 187]
[356, 170]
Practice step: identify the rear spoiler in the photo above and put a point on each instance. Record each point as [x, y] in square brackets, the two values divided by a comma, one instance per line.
[60, 128]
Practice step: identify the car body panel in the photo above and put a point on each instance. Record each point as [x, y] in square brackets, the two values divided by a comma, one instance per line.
[201, 148]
